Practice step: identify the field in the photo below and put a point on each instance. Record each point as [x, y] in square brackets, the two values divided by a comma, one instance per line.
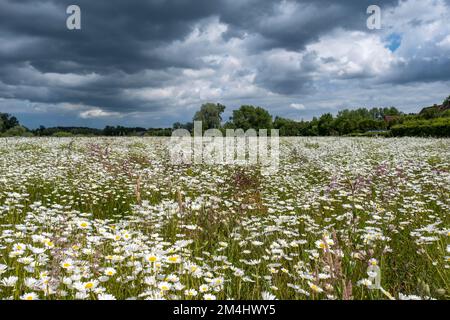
[111, 218]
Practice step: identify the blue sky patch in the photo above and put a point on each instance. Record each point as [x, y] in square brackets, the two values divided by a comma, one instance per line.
[394, 41]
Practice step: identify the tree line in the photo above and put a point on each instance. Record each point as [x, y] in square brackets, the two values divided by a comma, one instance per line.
[431, 121]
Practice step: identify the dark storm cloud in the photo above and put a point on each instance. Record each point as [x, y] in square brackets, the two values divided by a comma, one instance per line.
[115, 33]
[303, 21]
[420, 70]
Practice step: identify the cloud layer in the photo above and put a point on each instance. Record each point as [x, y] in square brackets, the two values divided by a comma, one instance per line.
[150, 63]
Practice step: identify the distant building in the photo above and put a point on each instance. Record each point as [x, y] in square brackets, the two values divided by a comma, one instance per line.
[436, 108]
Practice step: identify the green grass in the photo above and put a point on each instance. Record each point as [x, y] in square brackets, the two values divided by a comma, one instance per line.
[309, 231]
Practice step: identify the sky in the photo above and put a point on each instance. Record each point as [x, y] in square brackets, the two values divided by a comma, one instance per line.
[151, 63]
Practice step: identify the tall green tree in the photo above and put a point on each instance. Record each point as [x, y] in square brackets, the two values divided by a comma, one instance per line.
[447, 101]
[325, 125]
[251, 117]
[7, 122]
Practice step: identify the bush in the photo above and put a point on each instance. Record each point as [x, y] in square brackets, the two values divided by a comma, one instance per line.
[62, 134]
[17, 131]
[439, 127]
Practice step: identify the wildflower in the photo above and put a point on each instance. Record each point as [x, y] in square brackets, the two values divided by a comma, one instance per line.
[110, 272]
[191, 293]
[3, 268]
[90, 285]
[172, 278]
[67, 264]
[9, 281]
[19, 247]
[105, 296]
[151, 258]
[365, 282]
[82, 224]
[209, 296]
[217, 281]
[164, 286]
[268, 296]
[203, 288]
[373, 262]
[315, 288]
[173, 259]
[48, 243]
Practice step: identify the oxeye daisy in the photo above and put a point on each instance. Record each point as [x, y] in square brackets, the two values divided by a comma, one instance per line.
[29, 296]
[90, 285]
[268, 296]
[9, 281]
[315, 288]
[217, 281]
[82, 224]
[164, 286]
[19, 247]
[173, 259]
[151, 258]
[191, 293]
[67, 264]
[110, 272]
[105, 296]
[209, 296]
[203, 288]
[127, 236]
[3, 268]
[172, 278]
[48, 243]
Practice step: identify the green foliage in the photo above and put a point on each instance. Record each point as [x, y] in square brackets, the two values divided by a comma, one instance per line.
[356, 122]
[187, 126]
[159, 132]
[123, 131]
[17, 131]
[210, 115]
[325, 126]
[76, 131]
[430, 113]
[446, 101]
[374, 133]
[62, 134]
[287, 127]
[439, 127]
[7, 122]
[250, 117]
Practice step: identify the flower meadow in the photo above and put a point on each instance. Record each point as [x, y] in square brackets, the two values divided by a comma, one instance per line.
[111, 218]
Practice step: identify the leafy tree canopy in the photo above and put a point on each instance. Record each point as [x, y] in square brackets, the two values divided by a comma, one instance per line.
[250, 117]
[210, 115]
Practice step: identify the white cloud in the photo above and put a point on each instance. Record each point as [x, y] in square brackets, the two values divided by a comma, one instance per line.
[297, 106]
[98, 113]
[345, 54]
